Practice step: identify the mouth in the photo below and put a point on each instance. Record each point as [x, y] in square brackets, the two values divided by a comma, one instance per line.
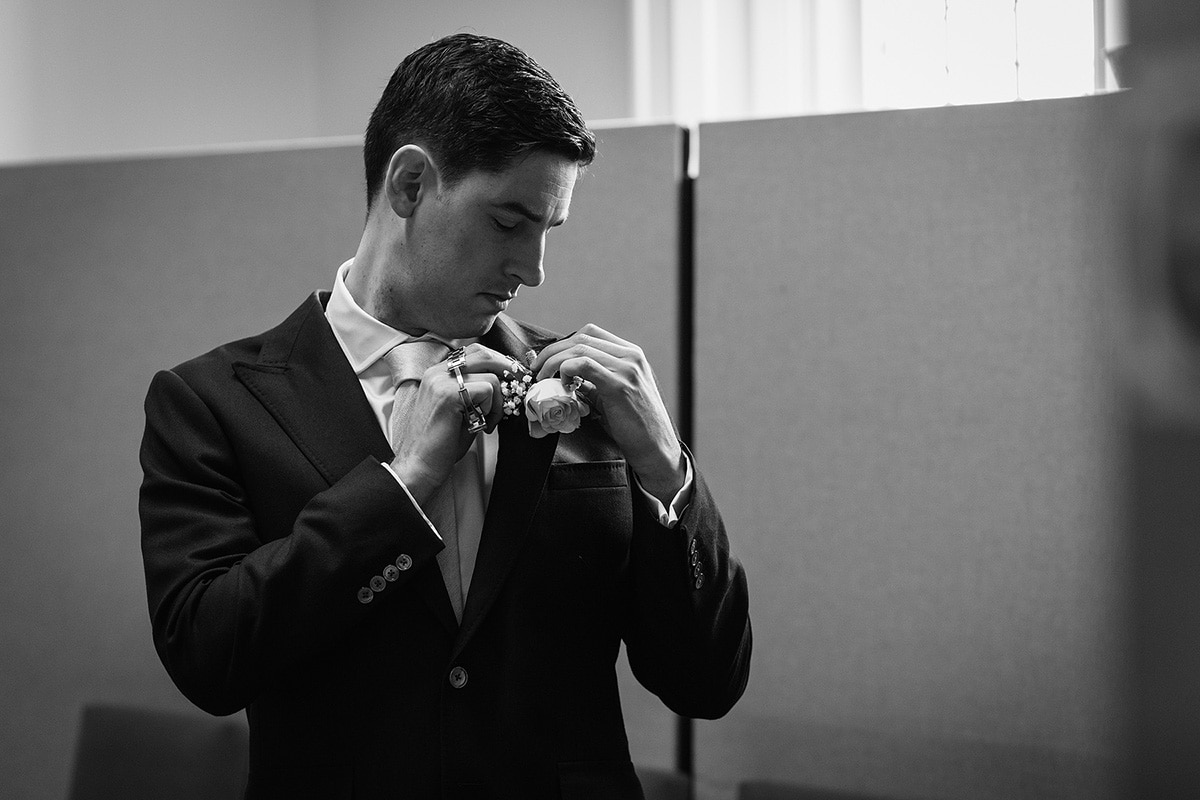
[500, 299]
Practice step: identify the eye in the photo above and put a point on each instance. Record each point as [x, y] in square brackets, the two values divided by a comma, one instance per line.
[501, 226]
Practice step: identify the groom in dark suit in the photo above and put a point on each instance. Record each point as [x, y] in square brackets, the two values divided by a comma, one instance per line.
[352, 529]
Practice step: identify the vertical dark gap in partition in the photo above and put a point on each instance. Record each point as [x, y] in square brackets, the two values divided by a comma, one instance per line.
[684, 730]
[687, 291]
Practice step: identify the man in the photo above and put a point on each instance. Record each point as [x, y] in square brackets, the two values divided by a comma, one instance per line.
[410, 594]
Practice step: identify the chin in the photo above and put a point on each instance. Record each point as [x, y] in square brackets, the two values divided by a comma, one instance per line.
[487, 325]
[470, 329]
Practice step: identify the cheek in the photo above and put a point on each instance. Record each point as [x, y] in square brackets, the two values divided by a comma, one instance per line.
[446, 248]
[471, 261]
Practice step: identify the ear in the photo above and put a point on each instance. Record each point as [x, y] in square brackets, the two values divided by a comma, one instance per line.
[411, 176]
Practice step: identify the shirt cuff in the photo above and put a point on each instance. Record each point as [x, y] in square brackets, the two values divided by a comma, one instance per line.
[413, 500]
[668, 517]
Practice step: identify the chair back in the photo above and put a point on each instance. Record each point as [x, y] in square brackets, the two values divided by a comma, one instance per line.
[662, 784]
[144, 754]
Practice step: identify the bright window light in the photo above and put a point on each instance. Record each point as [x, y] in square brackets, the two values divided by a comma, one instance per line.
[727, 59]
[936, 52]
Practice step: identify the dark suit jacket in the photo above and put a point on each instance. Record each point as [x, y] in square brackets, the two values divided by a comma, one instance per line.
[265, 512]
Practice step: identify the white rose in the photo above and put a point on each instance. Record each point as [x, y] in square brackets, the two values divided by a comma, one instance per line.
[551, 407]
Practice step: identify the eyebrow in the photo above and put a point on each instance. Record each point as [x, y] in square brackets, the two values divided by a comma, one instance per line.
[520, 208]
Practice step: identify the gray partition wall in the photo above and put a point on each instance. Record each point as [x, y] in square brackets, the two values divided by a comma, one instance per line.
[904, 406]
[115, 269]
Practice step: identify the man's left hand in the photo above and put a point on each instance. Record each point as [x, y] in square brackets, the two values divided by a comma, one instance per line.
[619, 383]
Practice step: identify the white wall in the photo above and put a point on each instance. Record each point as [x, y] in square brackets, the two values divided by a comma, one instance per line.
[82, 79]
[585, 45]
[94, 78]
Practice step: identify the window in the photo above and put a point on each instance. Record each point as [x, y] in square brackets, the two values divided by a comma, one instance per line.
[699, 60]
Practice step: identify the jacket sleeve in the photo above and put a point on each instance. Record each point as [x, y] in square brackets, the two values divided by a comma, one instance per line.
[229, 609]
[688, 635]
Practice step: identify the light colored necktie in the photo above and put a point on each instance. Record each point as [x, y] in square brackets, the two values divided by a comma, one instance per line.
[408, 362]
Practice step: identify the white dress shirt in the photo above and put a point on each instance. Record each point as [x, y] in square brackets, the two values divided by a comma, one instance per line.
[364, 340]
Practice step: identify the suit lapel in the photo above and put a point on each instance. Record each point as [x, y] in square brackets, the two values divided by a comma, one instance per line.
[303, 379]
[521, 469]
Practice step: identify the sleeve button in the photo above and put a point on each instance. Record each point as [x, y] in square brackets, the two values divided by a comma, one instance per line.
[403, 562]
[378, 584]
[365, 595]
[391, 573]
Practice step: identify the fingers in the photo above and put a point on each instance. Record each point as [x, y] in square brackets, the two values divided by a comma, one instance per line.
[481, 359]
[481, 370]
[584, 351]
[594, 331]
[484, 389]
[597, 374]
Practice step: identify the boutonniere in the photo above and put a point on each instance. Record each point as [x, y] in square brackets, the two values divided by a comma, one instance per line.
[549, 405]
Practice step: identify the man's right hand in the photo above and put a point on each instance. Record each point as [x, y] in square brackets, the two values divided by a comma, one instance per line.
[433, 436]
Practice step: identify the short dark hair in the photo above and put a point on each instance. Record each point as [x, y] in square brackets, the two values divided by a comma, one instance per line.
[476, 103]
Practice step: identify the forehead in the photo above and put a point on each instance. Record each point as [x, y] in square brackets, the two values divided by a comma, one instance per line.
[541, 183]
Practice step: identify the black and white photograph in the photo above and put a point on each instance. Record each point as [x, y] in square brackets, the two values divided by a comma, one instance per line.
[600, 400]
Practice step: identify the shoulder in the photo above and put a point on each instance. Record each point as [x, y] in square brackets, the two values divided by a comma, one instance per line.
[259, 348]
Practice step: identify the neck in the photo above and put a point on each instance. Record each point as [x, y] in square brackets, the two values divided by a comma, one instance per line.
[367, 277]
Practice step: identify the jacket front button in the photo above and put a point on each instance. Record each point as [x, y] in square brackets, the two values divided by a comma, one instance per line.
[365, 595]
[458, 677]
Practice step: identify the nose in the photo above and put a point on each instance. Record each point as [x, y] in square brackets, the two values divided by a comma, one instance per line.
[526, 264]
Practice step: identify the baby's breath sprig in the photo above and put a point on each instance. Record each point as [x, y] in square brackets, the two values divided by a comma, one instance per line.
[514, 383]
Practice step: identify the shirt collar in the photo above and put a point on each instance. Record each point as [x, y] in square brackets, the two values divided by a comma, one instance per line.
[363, 338]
